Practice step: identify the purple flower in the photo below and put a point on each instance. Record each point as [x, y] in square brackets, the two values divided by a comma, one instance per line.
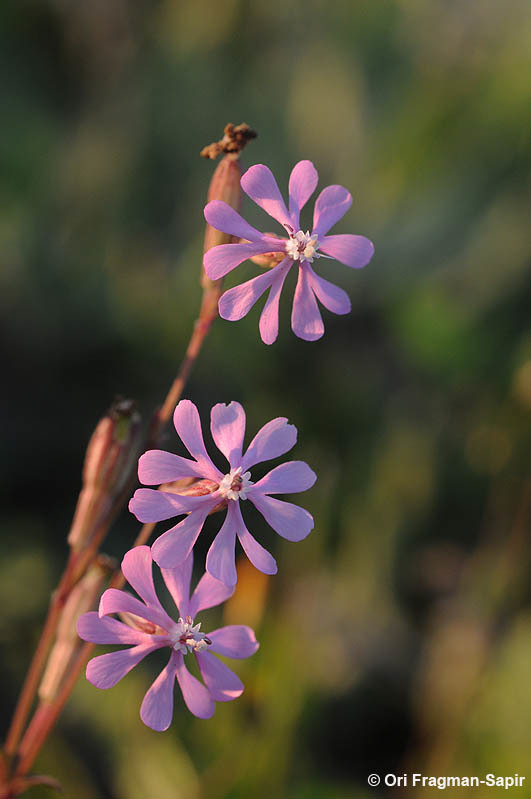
[148, 627]
[301, 248]
[228, 488]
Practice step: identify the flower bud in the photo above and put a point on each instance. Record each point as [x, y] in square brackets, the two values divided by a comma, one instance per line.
[81, 599]
[110, 456]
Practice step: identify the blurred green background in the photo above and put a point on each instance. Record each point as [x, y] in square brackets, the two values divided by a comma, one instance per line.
[397, 637]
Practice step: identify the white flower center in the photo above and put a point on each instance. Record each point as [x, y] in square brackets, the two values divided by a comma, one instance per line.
[303, 246]
[186, 638]
[235, 485]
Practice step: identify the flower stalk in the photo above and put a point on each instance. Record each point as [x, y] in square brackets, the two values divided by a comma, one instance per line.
[224, 186]
[108, 477]
[108, 469]
[81, 599]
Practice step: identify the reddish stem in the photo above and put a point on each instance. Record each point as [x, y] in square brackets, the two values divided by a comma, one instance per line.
[224, 185]
[47, 714]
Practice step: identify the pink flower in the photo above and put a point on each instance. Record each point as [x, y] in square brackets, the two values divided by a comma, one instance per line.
[229, 488]
[301, 248]
[148, 627]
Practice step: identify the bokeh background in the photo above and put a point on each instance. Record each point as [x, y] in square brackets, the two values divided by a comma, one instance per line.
[397, 637]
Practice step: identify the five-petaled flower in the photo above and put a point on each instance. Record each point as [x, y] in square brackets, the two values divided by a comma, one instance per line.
[300, 247]
[149, 627]
[227, 424]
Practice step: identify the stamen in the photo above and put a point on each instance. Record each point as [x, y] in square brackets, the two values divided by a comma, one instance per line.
[303, 246]
[235, 485]
[185, 637]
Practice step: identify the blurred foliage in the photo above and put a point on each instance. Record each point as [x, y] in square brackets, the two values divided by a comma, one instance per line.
[398, 634]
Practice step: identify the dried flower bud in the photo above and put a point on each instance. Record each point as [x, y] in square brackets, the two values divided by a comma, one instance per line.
[81, 599]
[235, 137]
[110, 456]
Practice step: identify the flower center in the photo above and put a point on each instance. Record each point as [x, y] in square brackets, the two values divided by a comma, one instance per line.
[303, 246]
[186, 638]
[235, 485]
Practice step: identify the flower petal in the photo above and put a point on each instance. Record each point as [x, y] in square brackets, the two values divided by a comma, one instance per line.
[286, 519]
[234, 641]
[137, 568]
[302, 184]
[156, 710]
[275, 438]
[188, 426]
[197, 698]
[257, 554]
[178, 584]
[220, 561]
[354, 251]
[227, 424]
[173, 547]
[209, 592]
[220, 260]
[332, 297]
[306, 321]
[105, 671]
[269, 317]
[260, 185]
[259, 557]
[221, 216]
[149, 505]
[238, 301]
[156, 467]
[115, 601]
[331, 205]
[106, 630]
[287, 478]
[221, 681]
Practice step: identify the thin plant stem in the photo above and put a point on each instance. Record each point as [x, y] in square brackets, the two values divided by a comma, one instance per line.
[76, 565]
[43, 722]
[201, 328]
[46, 714]
[37, 664]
